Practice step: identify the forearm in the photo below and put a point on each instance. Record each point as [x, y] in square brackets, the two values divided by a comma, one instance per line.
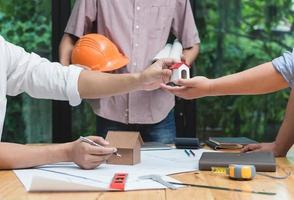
[92, 85]
[65, 48]
[13, 156]
[258, 80]
[191, 54]
[285, 137]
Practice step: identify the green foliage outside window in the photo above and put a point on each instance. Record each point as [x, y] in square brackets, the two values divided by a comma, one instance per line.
[27, 24]
[235, 35]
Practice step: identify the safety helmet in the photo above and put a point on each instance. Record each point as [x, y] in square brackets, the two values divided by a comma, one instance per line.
[98, 53]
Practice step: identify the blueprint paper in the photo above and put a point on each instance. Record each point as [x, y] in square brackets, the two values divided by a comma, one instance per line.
[58, 177]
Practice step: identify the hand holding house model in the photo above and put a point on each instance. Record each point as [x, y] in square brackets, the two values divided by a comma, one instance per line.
[180, 70]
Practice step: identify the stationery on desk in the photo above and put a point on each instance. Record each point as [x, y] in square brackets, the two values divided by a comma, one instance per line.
[189, 152]
[263, 161]
[109, 177]
[69, 177]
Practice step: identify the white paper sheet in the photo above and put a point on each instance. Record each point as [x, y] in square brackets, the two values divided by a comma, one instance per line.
[152, 162]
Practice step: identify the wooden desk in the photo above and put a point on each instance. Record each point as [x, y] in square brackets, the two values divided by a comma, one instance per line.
[12, 189]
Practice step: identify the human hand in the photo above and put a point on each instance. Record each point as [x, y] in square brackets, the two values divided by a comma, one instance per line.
[157, 73]
[193, 88]
[88, 156]
[261, 147]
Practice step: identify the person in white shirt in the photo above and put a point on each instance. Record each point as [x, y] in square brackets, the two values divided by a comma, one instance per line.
[27, 72]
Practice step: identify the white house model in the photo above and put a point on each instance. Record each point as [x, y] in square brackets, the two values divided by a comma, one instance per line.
[180, 71]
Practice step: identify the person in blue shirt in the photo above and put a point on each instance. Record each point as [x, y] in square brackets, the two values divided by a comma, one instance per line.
[265, 78]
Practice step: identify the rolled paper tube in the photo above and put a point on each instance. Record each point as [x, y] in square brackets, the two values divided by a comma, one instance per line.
[176, 51]
[164, 53]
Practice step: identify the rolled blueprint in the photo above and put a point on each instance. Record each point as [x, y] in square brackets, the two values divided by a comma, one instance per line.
[176, 51]
[164, 53]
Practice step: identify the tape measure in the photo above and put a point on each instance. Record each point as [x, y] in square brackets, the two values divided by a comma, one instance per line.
[240, 172]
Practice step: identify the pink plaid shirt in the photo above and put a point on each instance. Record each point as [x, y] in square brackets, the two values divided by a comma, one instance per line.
[140, 29]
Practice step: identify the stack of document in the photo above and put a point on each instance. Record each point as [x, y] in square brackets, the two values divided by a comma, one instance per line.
[69, 177]
[228, 142]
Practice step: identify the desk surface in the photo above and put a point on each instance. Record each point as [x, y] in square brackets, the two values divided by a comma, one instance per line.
[12, 189]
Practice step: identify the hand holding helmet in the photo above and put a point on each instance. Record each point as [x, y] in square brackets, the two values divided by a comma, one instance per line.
[98, 53]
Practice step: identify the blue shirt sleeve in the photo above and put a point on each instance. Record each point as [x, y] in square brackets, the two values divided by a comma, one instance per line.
[285, 65]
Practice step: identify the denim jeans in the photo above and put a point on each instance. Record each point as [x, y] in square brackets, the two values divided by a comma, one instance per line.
[164, 131]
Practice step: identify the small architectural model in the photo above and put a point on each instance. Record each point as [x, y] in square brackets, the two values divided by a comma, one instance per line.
[179, 71]
[128, 145]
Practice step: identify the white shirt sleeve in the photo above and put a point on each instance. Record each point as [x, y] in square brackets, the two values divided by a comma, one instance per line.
[40, 78]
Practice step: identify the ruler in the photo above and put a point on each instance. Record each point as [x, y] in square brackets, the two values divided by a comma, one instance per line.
[224, 188]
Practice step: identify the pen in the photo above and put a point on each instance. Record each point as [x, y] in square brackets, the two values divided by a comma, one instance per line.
[192, 153]
[87, 140]
[188, 154]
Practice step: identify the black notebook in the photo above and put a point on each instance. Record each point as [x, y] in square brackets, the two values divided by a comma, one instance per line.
[228, 142]
[263, 161]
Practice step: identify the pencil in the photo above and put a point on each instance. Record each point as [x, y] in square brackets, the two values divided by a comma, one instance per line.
[188, 154]
[192, 153]
[87, 140]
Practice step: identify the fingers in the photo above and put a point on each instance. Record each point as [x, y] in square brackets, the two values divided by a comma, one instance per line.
[167, 62]
[251, 147]
[98, 140]
[97, 159]
[186, 82]
[91, 162]
[100, 151]
[181, 91]
[166, 74]
[172, 89]
[88, 156]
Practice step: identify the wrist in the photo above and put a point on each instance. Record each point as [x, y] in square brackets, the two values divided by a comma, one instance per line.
[67, 149]
[139, 80]
[211, 87]
[278, 152]
[275, 150]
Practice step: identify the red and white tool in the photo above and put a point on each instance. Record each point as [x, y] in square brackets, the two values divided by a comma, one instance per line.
[119, 181]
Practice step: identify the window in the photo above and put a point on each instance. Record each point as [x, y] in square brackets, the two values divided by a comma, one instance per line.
[28, 24]
[235, 35]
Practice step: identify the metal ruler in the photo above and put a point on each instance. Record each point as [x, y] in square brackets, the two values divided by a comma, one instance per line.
[224, 188]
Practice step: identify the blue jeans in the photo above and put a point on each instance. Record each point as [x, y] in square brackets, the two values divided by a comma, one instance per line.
[164, 131]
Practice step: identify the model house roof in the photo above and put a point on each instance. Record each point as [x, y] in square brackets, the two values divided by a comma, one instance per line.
[178, 65]
[124, 139]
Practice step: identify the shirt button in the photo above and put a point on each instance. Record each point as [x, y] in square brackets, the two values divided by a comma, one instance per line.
[137, 27]
[135, 64]
[136, 45]
[127, 110]
[138, 7]
[126, 115]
